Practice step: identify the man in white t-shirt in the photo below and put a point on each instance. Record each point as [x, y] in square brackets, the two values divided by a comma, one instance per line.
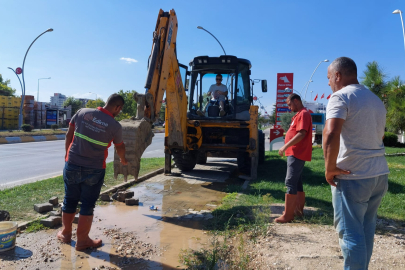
[218, 92]
[355, 164]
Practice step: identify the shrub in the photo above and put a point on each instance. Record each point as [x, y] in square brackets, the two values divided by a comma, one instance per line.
[27, 127]
[54, 126]
[390, 139]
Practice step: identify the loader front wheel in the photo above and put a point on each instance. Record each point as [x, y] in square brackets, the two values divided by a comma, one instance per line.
[201, 158]
[185, 161]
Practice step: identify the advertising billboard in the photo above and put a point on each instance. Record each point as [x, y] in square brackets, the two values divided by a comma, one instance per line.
[284, 81]
[51, 117]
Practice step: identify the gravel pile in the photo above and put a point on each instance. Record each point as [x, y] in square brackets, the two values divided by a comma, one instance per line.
[129, 248]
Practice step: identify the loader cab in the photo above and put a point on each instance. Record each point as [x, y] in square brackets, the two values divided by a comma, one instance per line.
[235, 76]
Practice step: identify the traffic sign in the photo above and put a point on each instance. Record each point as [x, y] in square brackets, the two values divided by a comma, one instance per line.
[276, 135]
[18, 70]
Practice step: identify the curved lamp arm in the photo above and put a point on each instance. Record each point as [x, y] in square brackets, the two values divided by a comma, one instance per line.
[310, 79]
[49, 30]
[200, 27]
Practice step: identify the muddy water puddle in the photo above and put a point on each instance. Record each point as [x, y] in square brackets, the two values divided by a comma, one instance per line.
[134, 237]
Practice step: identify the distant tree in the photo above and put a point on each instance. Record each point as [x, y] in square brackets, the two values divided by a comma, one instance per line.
[75, 103]
[375, 79]
[286, 120]
[6, 90]
[162, 112]
[395, 100]
[273, 115]
[95, 103]
[130, 106]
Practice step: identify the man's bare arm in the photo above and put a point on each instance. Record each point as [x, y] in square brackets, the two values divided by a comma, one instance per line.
[297, 138]
[331, 144]
[120, 148]
[69, 138]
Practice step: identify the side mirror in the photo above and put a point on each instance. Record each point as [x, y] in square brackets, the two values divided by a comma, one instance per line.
[264, 86]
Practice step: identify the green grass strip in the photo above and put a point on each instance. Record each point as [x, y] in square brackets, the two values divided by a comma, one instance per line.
[19, 201]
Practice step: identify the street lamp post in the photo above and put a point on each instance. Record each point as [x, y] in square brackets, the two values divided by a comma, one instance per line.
[20, 116]
[310, 79]
[38, 86]
[311, 94]
[403, 34]
[402, 21]
[202, 28]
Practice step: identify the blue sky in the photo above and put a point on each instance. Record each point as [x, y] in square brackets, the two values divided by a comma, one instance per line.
[84, 53]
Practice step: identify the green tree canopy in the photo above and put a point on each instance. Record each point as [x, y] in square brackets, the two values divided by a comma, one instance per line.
[6, 90]
[95, 103]
[75, 103]
[286, 120]
[130, 105]
[395, 96]
[375, 79]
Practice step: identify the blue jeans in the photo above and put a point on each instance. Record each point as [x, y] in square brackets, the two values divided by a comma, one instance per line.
[293, 179]
[81, 184]
[355, 204]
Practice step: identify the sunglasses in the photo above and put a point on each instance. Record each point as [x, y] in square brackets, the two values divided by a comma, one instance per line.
[218, 79]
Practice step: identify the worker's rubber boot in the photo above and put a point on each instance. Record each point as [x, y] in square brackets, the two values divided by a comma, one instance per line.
[83, 230]
[299, 205]
[288, 215]
[65, 235]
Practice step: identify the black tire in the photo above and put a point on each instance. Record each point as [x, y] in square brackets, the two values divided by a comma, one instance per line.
[185, 162]
[201, 158]
[244, 163]
[261, 147]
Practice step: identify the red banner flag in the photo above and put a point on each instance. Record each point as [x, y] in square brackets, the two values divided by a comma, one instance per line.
[328, 96]
[316, 97]
[323, 95]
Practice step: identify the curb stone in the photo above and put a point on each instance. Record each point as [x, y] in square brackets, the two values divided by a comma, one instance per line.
[9, 140]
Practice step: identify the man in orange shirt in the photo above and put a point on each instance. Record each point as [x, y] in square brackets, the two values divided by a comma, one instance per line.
[298, 149]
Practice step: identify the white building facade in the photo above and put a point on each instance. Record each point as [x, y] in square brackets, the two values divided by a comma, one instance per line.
[57, 100]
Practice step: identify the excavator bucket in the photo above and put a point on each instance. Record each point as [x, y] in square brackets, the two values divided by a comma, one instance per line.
[137, 136]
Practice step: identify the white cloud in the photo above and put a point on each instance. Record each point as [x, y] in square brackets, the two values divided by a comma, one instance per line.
[129, 60]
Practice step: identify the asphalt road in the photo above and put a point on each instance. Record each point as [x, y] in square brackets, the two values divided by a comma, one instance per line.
[28, 162]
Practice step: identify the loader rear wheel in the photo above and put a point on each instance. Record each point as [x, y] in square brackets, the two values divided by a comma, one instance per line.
[261, 147]
[185, 161]
[201, 158]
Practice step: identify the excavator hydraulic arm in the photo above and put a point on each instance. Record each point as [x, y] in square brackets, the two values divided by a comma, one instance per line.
[163, 76]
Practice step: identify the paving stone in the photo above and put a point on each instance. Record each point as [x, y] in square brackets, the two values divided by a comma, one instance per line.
[105, 197]
[51, 221]
[131, 201]
[43, 207]
[124, 195]
[54, 201]
[56, 213]
[76, 220]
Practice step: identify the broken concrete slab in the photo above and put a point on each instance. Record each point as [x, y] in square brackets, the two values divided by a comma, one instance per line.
[43, 207]
[51, 221]
[132, 201]
[54, 201]
[56, 213]
[105, 198]
[122, 195]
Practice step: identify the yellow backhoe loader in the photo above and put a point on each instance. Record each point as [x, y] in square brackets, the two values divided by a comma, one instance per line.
[189, 137]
